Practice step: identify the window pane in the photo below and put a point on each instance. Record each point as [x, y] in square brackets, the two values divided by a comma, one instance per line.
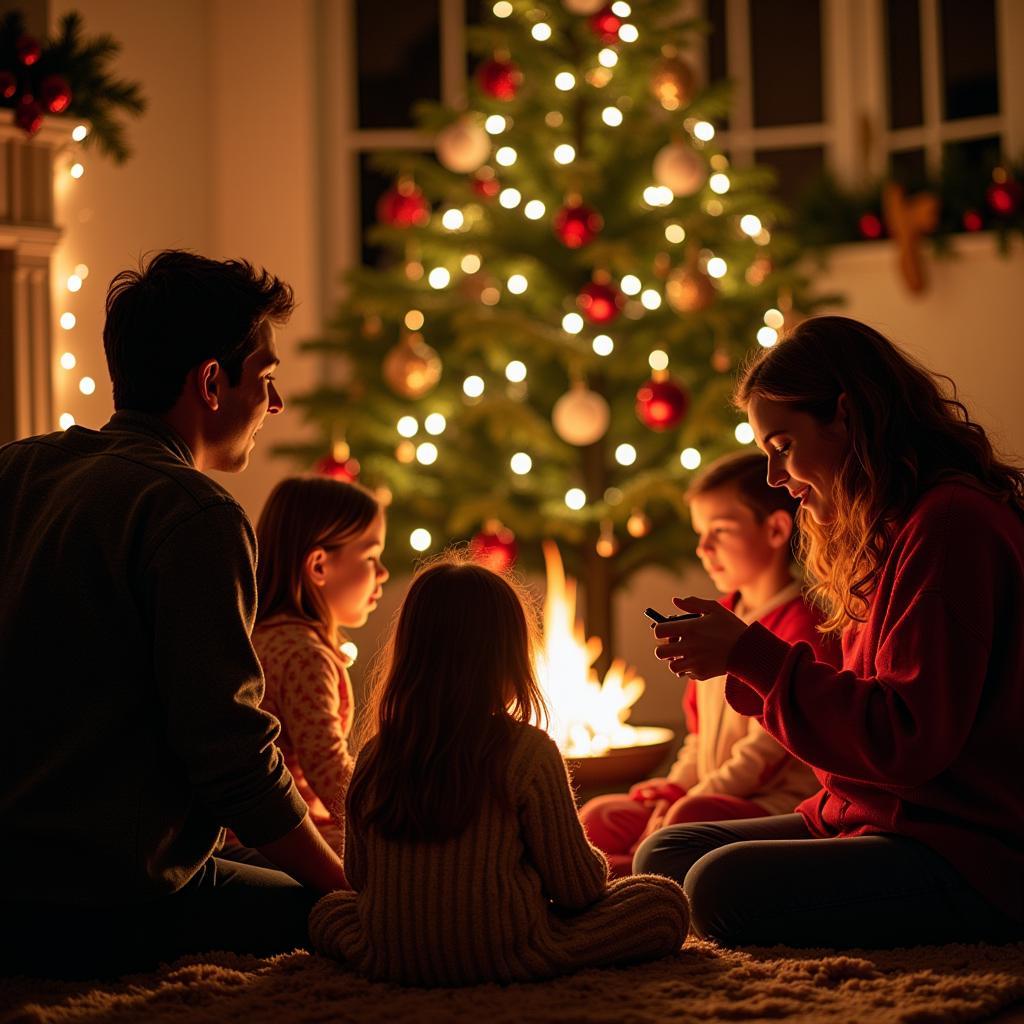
[398, 61]
[973, 160]
[796, 168]
[785, 46]
[903, 62]
[908, 168]
[970, 82]
[718, 62]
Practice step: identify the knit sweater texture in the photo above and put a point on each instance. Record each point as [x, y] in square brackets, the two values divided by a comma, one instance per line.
[919, 733]
[519, 895]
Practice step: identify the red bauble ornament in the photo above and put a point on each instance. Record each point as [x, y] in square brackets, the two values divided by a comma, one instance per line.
[870, 225]
[661, 404]
[28, 114]
[55, 93]
[495, 547]
[972, 221]
[1004, 197]
[28, 50]
[486, 188]
[599, 303]
[8, 85]
[499, 79]
[346, 471]
[403, 206]
[577, 225]
[605, 25]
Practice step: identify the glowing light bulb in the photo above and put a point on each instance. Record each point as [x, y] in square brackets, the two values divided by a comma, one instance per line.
[750, 224]
[603, 345]
[658, 360]
[67, 321]
[658, 195]
[79, 132]
[611, 116]
[439, 278]
[82, 270]
[541, 31]
[628, 33]
[414, 319]
[630, 285]
[408, 426]
[704, 130]
[426, 453]
[521, 463]
[74, 283]
[68, 360]
[689, 458]
[517, 284]
[621, 9]
[502, 9]
[565, 80]
[675, 233]
[66, 420]
[515, 371]
[76, 170]
[435, 423]
[717, 267]
[774, 318]
[534, 209]
[719, 183]
[744, 433]
[564, 154]
[509, 198]
[453, 219]
[625, 455]
[650, 298]
[495, 124]
[87, 385]
[575, 498]
[470, 263]
[419, 539]
[767, 336]
[506, 156]
[490, 296]
[349, 649]
[572, 323]
[608, 58]
[473, 386]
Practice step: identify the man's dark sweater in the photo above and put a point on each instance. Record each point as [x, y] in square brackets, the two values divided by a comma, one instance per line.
[132, 731]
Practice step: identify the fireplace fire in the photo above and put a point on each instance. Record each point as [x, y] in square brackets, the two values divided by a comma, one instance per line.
[588, 716]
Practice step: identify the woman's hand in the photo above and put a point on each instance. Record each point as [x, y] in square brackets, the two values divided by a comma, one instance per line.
[651, 790]
[698, 647]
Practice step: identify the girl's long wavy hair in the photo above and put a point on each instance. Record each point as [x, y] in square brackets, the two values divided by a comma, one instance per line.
[907, 430]
[447, 693]
[303, 513]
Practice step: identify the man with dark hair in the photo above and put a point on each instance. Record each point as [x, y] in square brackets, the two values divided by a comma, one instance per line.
[130, 686]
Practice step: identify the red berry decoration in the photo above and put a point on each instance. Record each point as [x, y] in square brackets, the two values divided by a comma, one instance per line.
[28, 50]
[599, 303]
[403, 206]
[499, 79]
[661, 404]
[605, 25]
[577, 225]
[870, 225]
[486, 188]
[56, 93]
[1004, 197]
[8, 85]
[972, 221]
[28, 114]
[345, 471]
[495, 547]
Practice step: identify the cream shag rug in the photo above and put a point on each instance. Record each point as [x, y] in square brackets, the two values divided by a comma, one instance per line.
[702, 983]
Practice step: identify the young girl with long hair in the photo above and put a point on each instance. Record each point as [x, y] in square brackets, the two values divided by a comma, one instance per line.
[468, 861]
[913, 532]
[319, 572]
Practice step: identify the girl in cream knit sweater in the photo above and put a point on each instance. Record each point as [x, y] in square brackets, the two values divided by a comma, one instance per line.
[467, 858]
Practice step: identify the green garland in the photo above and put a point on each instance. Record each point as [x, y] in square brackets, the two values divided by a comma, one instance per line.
[66, 76]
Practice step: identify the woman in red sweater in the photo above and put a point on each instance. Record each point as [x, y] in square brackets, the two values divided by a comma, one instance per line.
[913, 533]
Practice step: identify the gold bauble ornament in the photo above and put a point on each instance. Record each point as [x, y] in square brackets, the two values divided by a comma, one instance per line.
[412, 367]
[463, 146]
[580, 416]
[673, 83]
[689, 291]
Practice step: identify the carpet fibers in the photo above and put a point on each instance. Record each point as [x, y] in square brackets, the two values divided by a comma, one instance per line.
[702, 983]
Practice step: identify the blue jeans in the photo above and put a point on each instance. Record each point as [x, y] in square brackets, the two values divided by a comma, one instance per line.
[224, 905]
[768, 881]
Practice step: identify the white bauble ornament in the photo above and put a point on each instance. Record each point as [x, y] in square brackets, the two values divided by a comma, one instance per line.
[580, 416]
[463, 146]
[583, 6]
[680, 168]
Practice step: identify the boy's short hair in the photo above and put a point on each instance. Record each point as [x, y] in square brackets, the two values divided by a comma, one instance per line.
[748, 473]
[175, 312]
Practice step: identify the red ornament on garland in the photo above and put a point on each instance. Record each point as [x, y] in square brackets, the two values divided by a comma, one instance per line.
[1004, 197]
[870, 225]
[577, 225]
[28, 114]
[56, 93]
[345, 471]
[28, 49]
[972, 221]
[495, 547]
[499, 79]
[599, 303]
[661, 403]
[605, 25]
[8, 85]
[486, 188]
[403, 206]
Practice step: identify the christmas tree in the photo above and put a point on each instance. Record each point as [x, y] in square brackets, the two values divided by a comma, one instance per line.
[550, 351]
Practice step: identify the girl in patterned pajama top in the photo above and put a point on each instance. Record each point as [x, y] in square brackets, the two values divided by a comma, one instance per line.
[319, 571]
